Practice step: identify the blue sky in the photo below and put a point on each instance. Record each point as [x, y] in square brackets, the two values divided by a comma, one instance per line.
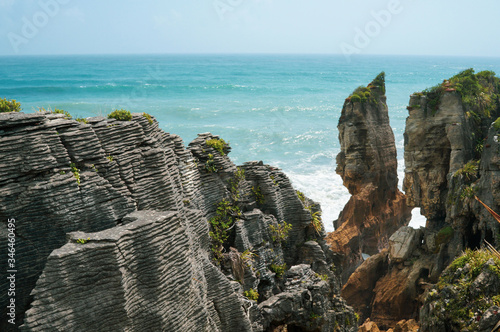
[422, 27]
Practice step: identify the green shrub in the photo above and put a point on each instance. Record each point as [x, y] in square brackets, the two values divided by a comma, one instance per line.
[82, 120]
[316, 221]
[479, 92]
[379, 81]
[82, 241]
[280, 233]
[148, 117]
[279, 269]
[323, 277]
[251, 294]
[235, 182]
[469, 171]
[301, 196]
[259, 196]
[355, 99]
[218, 144]
[66, 114]
[120, 115]
[467, 193]
[224, 218]
[210, 166]
[9, 105]
[76, 172]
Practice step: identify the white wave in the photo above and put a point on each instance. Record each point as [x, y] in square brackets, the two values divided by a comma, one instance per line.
[324, 186]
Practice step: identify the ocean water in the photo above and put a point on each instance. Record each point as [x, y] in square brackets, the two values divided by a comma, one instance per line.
[281, 109]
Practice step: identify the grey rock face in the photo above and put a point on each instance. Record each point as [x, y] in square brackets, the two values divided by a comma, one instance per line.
[402, 243]
[367, 164]
[112, 231]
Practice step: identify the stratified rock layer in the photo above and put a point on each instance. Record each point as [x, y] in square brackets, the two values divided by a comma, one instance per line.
[451, 154]
[368, 165]
[112, 233]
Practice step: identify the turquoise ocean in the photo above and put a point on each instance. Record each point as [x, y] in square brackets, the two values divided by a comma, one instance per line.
[281, 109]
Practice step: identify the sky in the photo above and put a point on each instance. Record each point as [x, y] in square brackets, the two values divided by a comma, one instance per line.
[400, 27]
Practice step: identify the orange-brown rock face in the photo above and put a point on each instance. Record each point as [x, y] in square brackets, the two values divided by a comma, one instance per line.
[368, 166]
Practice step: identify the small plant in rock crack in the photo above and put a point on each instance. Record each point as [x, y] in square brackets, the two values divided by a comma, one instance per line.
[218, 144]
[248, 256]
[148, 117]
[210, 164]
[82, 241]
[280, 233]
[221, 224]
[301, 196]
[279, 269]
[251, 294]
[234, 183]
[316, 222]
[76, 172]
[259, 196]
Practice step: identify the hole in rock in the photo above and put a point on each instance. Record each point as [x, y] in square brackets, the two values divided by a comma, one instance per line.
[472, 237]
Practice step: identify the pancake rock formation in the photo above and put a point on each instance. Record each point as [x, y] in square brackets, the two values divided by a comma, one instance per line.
[451, 155]
[367, 164]
[120, 227]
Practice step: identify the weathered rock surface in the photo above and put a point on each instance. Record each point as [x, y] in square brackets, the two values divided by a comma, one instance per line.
[402, 243]
[124, 277]
[368, 166]
[303, 304]
[369, 326]
[446, 138]
[112, 233]
[447, 163]
[388, 290]
[466, 297]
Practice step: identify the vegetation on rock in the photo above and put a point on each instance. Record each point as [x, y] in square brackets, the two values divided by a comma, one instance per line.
[76, 172]
[82, 120]
[218, 144]
[479, 92]
[469, 171]
[9, 105]
[279, 269]
[259, 196]
[221, 223]
[363, 94]
[210, 164]
[280, 233]
[252, 294]
[120, 115]
[466, 289]
[148, 117]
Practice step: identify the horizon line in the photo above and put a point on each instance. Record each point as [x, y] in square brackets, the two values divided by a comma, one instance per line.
[249, 53]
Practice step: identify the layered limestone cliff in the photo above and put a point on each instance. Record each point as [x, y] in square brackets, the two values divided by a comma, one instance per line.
[368, 166]
[451, 154]
[120, 227]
